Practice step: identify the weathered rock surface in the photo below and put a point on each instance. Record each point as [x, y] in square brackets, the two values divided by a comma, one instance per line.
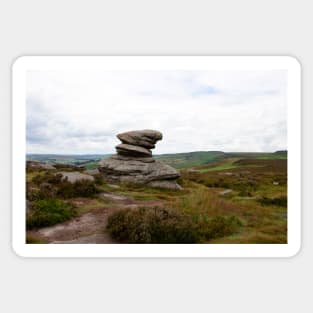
[130, 150]
[72, 177]
[92, 172]
[134, 162]
[143, 138]
[132, 158]
[40, 165]
[136, 171]
[166, 184]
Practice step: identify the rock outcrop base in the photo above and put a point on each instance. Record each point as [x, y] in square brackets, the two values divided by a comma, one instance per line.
[134, 163]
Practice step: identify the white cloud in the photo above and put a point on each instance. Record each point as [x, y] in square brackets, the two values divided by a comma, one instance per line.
[82, 111]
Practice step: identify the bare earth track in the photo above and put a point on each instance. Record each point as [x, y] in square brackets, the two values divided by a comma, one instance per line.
[89, 227]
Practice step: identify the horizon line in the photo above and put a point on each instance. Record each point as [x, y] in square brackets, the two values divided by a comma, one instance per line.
[96, 153]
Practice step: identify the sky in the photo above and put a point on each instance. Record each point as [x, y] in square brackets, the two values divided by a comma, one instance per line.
[81, 112]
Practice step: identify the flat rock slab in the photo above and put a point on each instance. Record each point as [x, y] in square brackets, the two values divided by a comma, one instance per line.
[112, 196]
[165, 184]
[132, 158]
[131, 150]
[226, 192]
[40, 165]
[72, 177]
[92, 172]
[144, 138]
[137, 172]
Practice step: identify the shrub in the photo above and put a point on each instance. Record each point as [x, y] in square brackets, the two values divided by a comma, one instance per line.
[280, 201]
[245, 193]
[47, 191]
[168, 226]
[52, 185]
[220, 226]
[80, 188]
[50, 178]
[49, 212]
[152, 226]
[99, 179]
[32, 192]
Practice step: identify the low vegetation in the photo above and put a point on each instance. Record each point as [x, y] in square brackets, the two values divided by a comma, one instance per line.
[49, 212]
[280, 201]
[157, 225]
[52, 185]
[152, 226]
[226, 198]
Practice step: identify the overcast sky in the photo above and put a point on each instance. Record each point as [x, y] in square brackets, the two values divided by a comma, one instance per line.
[80, 112]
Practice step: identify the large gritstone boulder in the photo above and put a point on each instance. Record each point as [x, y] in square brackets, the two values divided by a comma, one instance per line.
[134, 163]
[146, 138]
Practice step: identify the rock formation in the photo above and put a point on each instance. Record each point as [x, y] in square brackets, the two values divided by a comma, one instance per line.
[134, 162]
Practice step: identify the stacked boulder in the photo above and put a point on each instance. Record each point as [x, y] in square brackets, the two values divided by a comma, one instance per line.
[134, 163]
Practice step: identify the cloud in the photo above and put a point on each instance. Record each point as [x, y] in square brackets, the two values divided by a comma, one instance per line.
[82, 111]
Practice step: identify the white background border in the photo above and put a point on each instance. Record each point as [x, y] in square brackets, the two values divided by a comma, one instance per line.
[157, 63]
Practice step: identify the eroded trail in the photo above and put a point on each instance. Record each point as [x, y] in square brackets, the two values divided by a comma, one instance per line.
[89, 227]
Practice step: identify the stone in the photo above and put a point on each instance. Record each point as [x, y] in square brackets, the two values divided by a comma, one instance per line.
[72, 177]
[144, 138]
[134, 163]
[165, 184]
[225, 192]
[92, 172]
[40, 165]
[132, 158]
[130, 150]
[138, 172]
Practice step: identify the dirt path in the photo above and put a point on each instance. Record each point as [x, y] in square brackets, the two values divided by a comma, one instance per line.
[89, 228]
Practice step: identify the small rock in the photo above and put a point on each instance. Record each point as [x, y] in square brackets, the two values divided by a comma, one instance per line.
[92, 172]
[225, 192]
[112, 196]
[165, 184]
[40, 165]
[72, 177]
[114, 186]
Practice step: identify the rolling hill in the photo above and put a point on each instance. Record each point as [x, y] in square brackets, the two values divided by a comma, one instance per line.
[177, 160]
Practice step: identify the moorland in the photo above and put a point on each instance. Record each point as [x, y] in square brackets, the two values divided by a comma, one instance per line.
[226, 198]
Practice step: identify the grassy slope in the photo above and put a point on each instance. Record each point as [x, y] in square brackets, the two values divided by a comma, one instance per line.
[190, 159]
[184, 160]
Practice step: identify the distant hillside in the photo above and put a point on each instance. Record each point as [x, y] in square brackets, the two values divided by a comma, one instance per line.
[89, 161]
[177, 160]
[188, 159]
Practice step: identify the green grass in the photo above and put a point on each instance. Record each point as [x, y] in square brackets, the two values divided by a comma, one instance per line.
[226, 166]
[91, 165]
[84, 205]
[185, 160]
